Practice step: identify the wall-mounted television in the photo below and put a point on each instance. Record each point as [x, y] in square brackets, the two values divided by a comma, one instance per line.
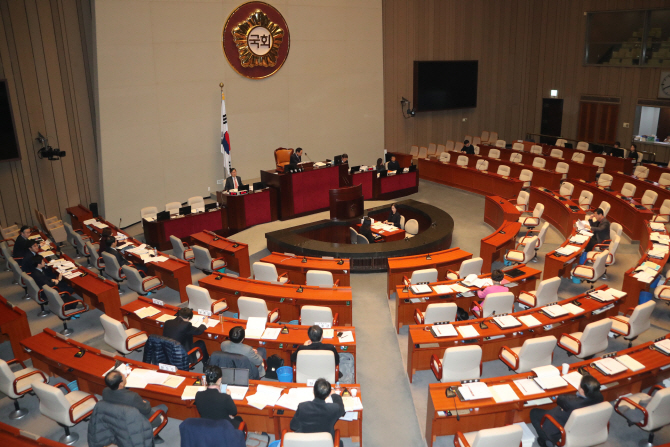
[9, 147]
[443, 85]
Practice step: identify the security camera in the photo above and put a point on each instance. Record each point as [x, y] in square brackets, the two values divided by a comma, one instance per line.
[47, 151]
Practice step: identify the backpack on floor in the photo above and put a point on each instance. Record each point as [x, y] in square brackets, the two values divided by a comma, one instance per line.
[462, 314]
[273, 364]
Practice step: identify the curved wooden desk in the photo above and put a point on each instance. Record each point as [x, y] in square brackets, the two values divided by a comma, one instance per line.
[346, 202]
[558, 211]
[612, 163]
[504, 216]
[579, 170]
[557, 265]
[157, 233]
[420, 343]
[469, 179]
[14, 437]
[631, 285]
[405, 307]
[297, 268]
[618, 179]
[89, 369]
[655, 171]
[78, 214]
[622, 211]
[236, 254]
[13, 327]
[442, 261]
[283, 346]
[486, 413]
[286, 297]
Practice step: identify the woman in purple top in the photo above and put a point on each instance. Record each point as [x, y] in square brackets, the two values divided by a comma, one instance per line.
[497, 276]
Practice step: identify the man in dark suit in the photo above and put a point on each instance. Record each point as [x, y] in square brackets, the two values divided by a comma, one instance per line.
[296, 157]
[212, 403]
[44, 277]
[116, 393]
[468, 148]
[393, 165]
[233, 182]
[317, 416]
[600, 227]
[180, 329]
[315, 334]
[587, 395]
[110, 247]
[27, 264]
[21, 243]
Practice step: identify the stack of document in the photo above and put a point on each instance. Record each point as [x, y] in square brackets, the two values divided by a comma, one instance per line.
[166, 317]
[657, 226]
[630, 363]
[574, 310]
[658, 251]
[583, 225]
[663, 346]
[419, 289]
[320, 164]
[154, 258]
[346, 337]
[255, 327]
[443, 289]
[660, 238]
[72, 274]
[528, 387]
[90, 222]
[646, 272]
[148, 311]
[567, 250]
[529, 320]
[459, 288]
[271, 333]
[62, 266]
[352, 403]
[578, 239]
[197, 320]
[328, 333]
[506, 322]
[585, 233]
[467, 331]
[610, 366]
[444, 330]
[555, 311]
[120, 237]
[295, 397]
[237, 392]
[503, 393]
[475, 390]
[549, 377]
[379, 226]
[190, 392]
[603, 296]
[99, 225]
[265, 396]
[140, 378]
[574, 378]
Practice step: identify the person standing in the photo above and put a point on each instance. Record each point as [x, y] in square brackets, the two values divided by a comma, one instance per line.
[21, 243]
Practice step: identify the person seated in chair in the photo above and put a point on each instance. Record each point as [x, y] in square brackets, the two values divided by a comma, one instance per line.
[393, 164]
[235, 346]
[212, 403]
[234, 181]
[21, 242]
[315, 334]
[588, 394]
[345, 158]
[110, 247]
[106, 232]
[46, 277]
[27, 264]
[600, 227]
[296, 157]
[317, 416]
[366, 230]
[380, 165]
[394, 217]
[180, 329]
[496, 276]
[117, 393]
[468, 148]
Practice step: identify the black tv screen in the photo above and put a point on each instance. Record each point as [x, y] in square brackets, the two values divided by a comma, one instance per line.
[441, 85]
[9, 148]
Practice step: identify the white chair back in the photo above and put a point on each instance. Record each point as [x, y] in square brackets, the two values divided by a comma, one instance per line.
[53, 403]
[547, 291]
[423, 276]
[461, 363]
[440, 148]
[566, 190]
[445, 157]
[659, 410]
[462, 160]
[615, 228]
[471, 267]
[583, 146]
[319, 278]
[578, 157]
[311, 315]
[628, 190]
[588, 426]
[485, 136]
[315, 365]
[518, 146]
[509, 436]
[173, 207]
[178, 247]
[115, 333]
[536, 352]
[529, 249]
[458, 146]
[560, 142]
[539, 162]
[536, 149]
[594, 338]
[423, 152]
[522, 200]
[353, 234]
[476, 141]
[432, 148]
[498, 303]
[292, 439]
[664, 179]
[562, 168]
[641, 172]
[149, 212]
[493, 136]
[251, 307]
[134, 279]
[504, 170]
[112, 267]
[600, 162]
[494, 153]
[200, 299]
[449, 145]
[605, 180]
[482, 165]
[605, 206]
[412, 227]
[649, 198]
[501, 143]
[362, 239]
[585, 199]
[556, 153]
[414, 151]
[640, 319]
[264, 271]
[600, 263]
[440, 312]
[203, 259]
[526, 176]
[515, 157]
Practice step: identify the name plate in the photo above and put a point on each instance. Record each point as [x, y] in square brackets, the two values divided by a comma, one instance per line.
[166, 367]
[323, 325]
[310, 382]
[157, 302]
[206, 313]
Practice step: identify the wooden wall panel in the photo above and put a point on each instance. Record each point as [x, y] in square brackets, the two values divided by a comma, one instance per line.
[44, 55]
[525, 49]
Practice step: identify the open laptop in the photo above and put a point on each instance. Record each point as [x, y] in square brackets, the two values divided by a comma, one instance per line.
[185, 210]
[235, 376]
[258, 186]
[243, 188]
[163, 215]
[355, 169]
[338, 159]
[210, 206]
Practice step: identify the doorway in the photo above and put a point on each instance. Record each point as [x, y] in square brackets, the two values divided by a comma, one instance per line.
[552, 119]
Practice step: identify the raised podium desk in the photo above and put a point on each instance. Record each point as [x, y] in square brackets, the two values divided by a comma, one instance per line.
[13, 327]
[246, 210]
[79, 214]
[157, 233]
[504, 217]
[288, 298]
[296, 267]
[394, 186]
[236, 254]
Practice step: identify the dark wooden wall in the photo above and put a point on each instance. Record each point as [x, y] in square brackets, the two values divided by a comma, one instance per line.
[45, 57]
[525, 49]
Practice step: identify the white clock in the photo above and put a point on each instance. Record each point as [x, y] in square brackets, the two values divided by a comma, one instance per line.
[664, 86]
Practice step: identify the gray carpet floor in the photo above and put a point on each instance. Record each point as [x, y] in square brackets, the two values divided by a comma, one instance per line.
[395, 410]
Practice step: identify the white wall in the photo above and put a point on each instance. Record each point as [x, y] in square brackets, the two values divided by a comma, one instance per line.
[649, 120]
[159, 65]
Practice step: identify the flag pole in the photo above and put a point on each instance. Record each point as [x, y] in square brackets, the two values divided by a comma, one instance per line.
[225, 139]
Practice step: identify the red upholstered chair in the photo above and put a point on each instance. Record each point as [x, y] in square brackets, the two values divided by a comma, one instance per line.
[282, 158]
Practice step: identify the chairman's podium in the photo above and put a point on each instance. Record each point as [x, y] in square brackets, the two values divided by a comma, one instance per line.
[346, 203]
[247, 210]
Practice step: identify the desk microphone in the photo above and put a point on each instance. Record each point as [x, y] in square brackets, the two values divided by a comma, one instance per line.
[308, 156]
[120, 218]
[452, 393]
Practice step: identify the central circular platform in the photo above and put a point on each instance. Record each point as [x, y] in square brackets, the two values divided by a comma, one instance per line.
[332, 238]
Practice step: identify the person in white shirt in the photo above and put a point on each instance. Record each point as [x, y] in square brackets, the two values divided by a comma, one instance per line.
[233, 182]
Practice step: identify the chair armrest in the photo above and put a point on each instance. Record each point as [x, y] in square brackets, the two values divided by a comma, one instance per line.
[655, 388]
[134, 336]
[62, 385]
[217, 259]
[284, 275]
[514, 354]
[32, 373]
[620, 320]
[460, 441]
[436, 366]
[336, 283]
[222, 300]
[636, 405]
[283, 433]
[162, 424]
[125, 325]
[336, 441]
[418, 316]
[151, 278]
[629, 312]
[561, 441]
[198, 355]
[337, 373]
[12, 361]
[576, 340]
[405, 280]
[528, 293]
[243, 429]
[586, 267]
[76, 404]
[446, 275]
[185, 244]
[602, 246]
[276, 309]
[336, 319]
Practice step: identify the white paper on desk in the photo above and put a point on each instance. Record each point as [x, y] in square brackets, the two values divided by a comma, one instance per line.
[100, 225]
[419, 289]
[467, 331]
[568, 250]
[574, 310]
[271, 333]
[574, 379]
[503, 393]
[157, 259]
[602, 295]
[482, 282]
[46, 253]
[459, 288]
[470, 279]
[657, 226]
[586, 233]
[255, 327]
[173, 381]
[237, 392]
[578, 239]
[265, 396]
[165, 317]
[415, 300]
[645, 276]
[555, 311]
[583, 225]
[616, 292]
[629, 362]
[507, 321]
[328, 333]
[549, 383]
[72, 275]
[287, 401]
[352, 403]
[350, 416]
[122, 368]
[610, 366]
[90, 222]
[444, 330]
[443, 289]
[663, 345]
[121, 247]
[148, 311]
[190, 392]
[475, 390]
[529, 320]
[136, 381]
[346, 337]
[528, 387]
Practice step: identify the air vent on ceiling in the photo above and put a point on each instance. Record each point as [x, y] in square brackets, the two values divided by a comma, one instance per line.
[605, 99]
[654, 102]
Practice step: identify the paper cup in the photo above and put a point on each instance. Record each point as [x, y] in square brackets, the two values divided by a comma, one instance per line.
[565, 368]
[354, 392]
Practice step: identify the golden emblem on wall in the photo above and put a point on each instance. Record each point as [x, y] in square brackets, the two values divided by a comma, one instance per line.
[258, 40]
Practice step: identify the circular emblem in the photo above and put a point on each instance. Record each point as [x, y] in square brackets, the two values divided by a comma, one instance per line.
[256, 40]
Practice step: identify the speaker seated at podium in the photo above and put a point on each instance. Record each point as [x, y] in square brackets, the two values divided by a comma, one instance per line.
[234, 181]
